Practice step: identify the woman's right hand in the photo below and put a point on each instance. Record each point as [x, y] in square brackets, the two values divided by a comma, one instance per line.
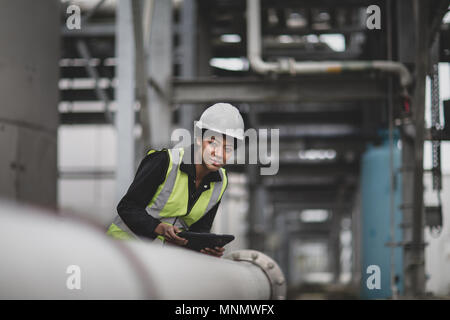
[169, 232]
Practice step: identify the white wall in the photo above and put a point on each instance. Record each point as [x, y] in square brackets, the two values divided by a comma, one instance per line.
[87, 148]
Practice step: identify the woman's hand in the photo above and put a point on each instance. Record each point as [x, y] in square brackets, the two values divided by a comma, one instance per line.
[216, 252]
[169, 233]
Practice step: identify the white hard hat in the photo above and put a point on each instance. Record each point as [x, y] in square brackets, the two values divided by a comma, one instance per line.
[223, 118]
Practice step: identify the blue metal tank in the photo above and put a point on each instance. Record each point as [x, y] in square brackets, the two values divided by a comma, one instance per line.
[375, 220]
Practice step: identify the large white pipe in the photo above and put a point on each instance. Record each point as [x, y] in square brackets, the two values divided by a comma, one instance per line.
[38, 250]
[291, 66]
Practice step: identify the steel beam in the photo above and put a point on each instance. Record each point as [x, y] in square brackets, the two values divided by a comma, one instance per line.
[188, 46]
[405, 26]
[293, 205]
[75, 95]
[306, 89]
[84, 118]
[255, 214]
[80, 72]
[90, 30]
[101, 48]
[160, 73]
[125, 96]
[331, 117]
[141, 11]
[302, 107]
[415, 276]
[261, 91]
[412, 164]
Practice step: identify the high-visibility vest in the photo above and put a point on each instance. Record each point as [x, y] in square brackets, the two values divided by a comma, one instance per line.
[170, 202]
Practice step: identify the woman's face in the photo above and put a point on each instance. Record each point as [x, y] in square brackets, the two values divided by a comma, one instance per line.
[215, 151]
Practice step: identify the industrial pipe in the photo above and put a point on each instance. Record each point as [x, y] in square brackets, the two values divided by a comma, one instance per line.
[49, 257]
[289, 65]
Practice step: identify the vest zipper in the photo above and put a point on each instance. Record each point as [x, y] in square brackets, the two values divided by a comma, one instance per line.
[193, 204]
[190, 208]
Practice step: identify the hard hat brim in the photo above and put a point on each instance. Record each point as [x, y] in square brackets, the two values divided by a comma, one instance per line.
[239, 136]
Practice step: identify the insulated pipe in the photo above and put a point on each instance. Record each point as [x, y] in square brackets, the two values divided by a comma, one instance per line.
[50, 257]
[291, 66]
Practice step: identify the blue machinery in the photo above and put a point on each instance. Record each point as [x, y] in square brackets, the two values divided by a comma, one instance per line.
[376, 221]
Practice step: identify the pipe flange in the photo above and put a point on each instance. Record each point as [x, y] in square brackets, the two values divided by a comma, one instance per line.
[268, 266]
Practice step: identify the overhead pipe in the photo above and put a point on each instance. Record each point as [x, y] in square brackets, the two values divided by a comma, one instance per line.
[289, 65]
[42, 254]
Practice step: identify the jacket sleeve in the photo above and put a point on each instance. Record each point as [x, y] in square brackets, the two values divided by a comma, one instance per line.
[131, 208]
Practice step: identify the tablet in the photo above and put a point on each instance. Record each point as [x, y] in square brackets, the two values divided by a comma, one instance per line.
[198, 241]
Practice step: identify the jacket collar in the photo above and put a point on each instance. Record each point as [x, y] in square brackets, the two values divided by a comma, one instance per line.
[189, 168]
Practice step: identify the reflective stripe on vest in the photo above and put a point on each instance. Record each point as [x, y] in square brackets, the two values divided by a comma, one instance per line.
[170, 202]
[116, 232]
[119, 224]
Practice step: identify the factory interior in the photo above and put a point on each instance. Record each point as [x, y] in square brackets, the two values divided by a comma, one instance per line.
[352, 96]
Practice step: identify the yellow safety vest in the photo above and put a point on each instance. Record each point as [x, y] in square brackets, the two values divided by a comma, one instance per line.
[170, 202]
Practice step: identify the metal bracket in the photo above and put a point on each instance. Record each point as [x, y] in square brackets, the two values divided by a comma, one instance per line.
[268, 266]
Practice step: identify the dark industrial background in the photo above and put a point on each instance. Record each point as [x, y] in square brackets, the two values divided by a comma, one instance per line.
[355, 186]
